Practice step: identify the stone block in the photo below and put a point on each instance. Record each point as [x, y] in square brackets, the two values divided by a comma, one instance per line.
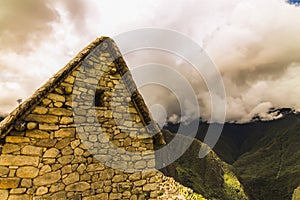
[46, 142]
[102, 196]
[65, 132]
[140, 183]
[41, 191]
[31, 125]
[51, 153]
[7, 183]
[47, 179]
[40, 110]
[150, 187]
[27, 172]
[71, 178]
[16, 139]
[51, 119]
[56, 97]
[32, 150]
[37, 134]
[27, 183]
[65, 159]
[10, 148]
[78, 187]
[3, 194]
[115, 196]
[47, 127]
[3, 171]
[19, 197]
[58, 196]
[95, 167]
[11, 160]
[60, 112]
[66, 120]
[70, 80]
[17, 191]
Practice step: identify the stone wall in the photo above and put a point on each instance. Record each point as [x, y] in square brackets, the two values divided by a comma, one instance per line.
[68, 143]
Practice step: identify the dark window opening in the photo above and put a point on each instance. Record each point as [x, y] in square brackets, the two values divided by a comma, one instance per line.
[99, 98]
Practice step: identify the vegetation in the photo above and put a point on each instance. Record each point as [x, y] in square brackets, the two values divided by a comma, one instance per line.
[209, 176]
[264, 155]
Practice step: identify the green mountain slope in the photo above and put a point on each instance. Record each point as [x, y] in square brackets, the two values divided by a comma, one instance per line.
[271, 168]
[209, 176]
[265, 155]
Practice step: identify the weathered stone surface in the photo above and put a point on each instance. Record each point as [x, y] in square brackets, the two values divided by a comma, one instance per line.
[37, 134]
[296, 194]
[58, 104]
[45, 169]
[8, 160]
[102, 196]
[9, 148]
[19, 197]
[67, 151]
[51, 153]
[31, 125]
[150, 187]
[47, 179]
[47, 127]
[27, 183]
[118, 178]
[17, 139]
[79, 187]
[71, 178]
[27, 172]
[115, 196]
[69, 79]
[62, 143]
[65, 132]
[140, 164]
[46, 102]
[3, 194]
[6, 183]
[57, 187]
[140, 183]
[32, 150]
[56, 97]
[60, 111]
[68, 90]
[65, 159]
[3, 170]
[17, 191]
[51, 119]
[40, 110]
[58, 196]
[66, 120]
[41, 191]
[46, 142]
[95, 167]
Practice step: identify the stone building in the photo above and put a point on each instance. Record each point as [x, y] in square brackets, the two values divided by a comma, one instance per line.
[85, 134]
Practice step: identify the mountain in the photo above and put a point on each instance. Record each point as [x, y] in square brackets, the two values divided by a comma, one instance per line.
[209, 176]
[265, 155]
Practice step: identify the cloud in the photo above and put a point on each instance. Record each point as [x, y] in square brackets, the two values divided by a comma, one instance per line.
[24, 25]
[255, 45]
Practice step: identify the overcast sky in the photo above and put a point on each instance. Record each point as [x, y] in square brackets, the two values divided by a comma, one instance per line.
[255, 45]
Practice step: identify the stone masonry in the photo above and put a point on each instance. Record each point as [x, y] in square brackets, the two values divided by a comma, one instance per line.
[86, 134]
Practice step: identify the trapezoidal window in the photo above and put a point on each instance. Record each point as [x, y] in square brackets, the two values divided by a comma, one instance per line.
[99, 98]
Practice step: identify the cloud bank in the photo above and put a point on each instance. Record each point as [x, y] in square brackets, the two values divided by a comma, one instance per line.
[255, 45]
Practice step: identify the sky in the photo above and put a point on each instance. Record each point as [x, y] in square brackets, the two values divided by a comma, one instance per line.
[254, 44]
